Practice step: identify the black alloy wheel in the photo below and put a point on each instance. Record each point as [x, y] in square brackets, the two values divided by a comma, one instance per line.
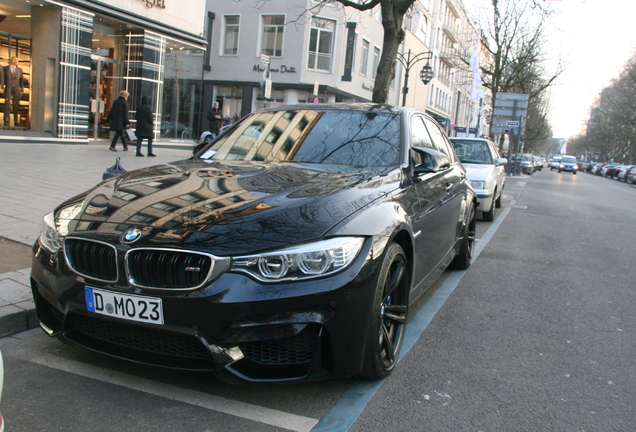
[464, 258]
[388, 318]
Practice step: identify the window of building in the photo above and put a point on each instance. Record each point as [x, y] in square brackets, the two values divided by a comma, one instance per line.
[272, 39]
[364, 57]
[376, 61]
[321, 44]
[231, 34]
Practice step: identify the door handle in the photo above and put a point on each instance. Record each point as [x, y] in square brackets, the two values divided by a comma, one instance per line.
[448, 187]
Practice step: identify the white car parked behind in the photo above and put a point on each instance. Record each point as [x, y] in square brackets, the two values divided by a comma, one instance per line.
[485, 170]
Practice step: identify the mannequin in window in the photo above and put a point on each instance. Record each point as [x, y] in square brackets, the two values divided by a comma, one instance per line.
[12, 90]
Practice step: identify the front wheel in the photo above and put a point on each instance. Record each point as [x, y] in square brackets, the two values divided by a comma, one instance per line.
[388, 316]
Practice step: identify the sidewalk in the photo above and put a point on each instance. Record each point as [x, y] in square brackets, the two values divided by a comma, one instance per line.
[34, 179]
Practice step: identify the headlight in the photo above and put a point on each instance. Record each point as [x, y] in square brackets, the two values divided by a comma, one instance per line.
[561, 166]
[50, 238]
[301, 262]
[477, 184]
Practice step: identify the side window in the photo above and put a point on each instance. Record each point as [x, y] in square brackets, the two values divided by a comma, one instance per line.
[419, 135]
[440, 140]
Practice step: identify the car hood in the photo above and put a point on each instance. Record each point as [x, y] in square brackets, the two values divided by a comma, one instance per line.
[225, 207]
[478, 172]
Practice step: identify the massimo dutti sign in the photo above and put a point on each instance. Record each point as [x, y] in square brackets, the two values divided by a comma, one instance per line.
[161, 4]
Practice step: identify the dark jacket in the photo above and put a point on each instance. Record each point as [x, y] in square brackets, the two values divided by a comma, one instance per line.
[144, 119]
[118, 115]
[214, 123]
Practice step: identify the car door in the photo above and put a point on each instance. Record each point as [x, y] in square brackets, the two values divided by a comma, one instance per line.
[434, 229]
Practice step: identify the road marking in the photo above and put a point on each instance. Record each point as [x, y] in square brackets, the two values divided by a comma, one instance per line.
[228, 406]
[352, 403]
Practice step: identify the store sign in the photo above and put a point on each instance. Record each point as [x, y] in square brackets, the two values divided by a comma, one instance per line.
[161, 4]
[283, 69]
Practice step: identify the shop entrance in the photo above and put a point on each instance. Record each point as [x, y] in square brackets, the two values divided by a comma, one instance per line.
[102, 95]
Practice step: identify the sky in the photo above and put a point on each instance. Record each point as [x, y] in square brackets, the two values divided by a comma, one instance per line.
[594, 39]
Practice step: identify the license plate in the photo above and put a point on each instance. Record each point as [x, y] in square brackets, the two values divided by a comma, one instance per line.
[125, 306]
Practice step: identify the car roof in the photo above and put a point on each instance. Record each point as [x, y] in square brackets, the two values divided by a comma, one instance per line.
[364, 106]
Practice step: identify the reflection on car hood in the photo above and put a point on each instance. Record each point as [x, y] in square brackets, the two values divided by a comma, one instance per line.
[225, 206]
[477, 172]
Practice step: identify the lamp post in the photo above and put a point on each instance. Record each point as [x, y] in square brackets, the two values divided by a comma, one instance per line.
[426, 74]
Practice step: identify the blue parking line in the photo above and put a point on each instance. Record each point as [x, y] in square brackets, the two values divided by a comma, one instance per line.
[352, 402]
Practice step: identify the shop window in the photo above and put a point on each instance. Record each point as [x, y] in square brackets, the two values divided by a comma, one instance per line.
[15, 99]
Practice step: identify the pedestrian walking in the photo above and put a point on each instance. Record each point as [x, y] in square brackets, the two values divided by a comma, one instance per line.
[118, 119]
[145, 125]
[214, 120]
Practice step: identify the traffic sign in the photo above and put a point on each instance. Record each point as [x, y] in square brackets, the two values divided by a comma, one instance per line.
[512, 123]
[264, 59]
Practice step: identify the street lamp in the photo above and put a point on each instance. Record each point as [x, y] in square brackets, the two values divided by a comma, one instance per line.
[426, 74]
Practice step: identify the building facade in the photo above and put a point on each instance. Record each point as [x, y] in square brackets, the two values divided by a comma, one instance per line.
[311, 52]
[76, 55]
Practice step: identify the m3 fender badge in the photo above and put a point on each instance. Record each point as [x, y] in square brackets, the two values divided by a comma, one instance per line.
[131, 235]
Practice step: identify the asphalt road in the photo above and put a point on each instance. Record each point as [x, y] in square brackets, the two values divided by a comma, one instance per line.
[538, 335]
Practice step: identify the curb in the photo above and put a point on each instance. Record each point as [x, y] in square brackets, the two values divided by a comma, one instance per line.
[15, 320]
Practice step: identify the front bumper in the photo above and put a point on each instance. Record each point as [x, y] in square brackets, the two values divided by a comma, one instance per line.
[484, 200]
[253, 330]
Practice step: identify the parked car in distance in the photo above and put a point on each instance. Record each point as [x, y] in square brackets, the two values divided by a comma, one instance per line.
[631, 177]
[525, 161]
[610, 170]
[597, 167]
[624, 171]
[568, 164]
[289, 248]
[485, 170]
[554, 162]
[538, 163]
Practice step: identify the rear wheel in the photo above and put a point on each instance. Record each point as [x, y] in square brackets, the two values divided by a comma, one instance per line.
[388, 317]
[463, 259]
[498, 200]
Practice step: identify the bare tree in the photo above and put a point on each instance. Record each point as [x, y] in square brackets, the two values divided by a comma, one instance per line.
[514, 40]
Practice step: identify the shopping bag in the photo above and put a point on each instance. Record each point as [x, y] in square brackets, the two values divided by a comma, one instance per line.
[130, 134]
[113, 171]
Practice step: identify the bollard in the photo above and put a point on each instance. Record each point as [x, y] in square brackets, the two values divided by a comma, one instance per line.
[114, 170]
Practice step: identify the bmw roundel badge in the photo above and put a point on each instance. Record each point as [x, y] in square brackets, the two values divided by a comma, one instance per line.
[131, 235]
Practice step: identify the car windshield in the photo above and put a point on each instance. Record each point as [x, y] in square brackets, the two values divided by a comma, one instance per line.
[356, 137]
[571, 160]
[476, 152]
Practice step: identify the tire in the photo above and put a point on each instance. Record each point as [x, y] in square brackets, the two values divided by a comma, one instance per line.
[464, 258]
[489, 216]
[574, 173]
[559, 171]
[498, 202]
[387, 323]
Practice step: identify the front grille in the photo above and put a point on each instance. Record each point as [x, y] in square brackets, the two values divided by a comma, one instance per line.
[91, 259]
[99, 334]
[167, 268]
[296, 350]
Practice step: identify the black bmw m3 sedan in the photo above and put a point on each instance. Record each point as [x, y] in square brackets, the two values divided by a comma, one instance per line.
[289, 248]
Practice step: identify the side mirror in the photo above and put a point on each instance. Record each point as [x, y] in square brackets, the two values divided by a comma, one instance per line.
[428, 160]
[502, 161]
